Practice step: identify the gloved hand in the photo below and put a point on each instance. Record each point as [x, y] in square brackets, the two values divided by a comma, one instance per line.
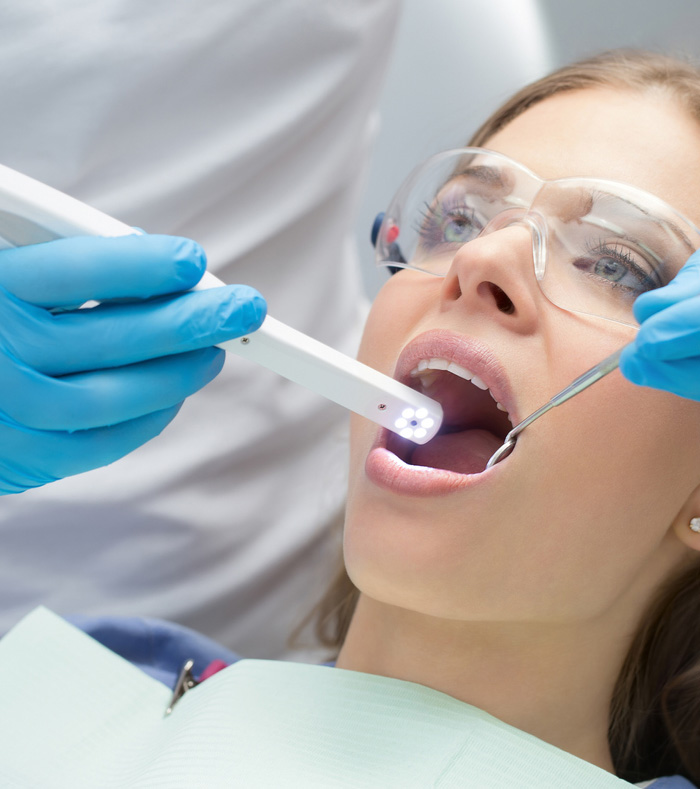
[80, 389]
[666, 351]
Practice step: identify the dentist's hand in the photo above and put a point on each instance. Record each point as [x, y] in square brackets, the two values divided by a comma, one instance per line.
[80, 389]
[666, 352]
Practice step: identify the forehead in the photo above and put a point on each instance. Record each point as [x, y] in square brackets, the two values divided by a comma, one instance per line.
[644, 139]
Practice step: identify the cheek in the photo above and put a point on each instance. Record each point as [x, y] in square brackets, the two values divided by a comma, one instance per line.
[637, 449]
[398, 308]
[606, 472]
[613, 473]
[615, 448]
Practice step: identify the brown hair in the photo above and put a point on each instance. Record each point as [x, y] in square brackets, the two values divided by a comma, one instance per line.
[655, 707]
[622, 69]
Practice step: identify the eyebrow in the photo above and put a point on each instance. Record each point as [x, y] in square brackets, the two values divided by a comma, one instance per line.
[493, 177]
[482, 173]
[674, 228]
[665, 225]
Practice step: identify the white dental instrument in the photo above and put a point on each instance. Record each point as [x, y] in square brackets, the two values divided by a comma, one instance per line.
[32, 212]
[608, 364]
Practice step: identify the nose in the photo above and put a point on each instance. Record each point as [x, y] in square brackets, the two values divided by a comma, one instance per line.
[494, 275]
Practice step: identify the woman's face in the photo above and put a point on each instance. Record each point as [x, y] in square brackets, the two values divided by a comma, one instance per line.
[578, 516]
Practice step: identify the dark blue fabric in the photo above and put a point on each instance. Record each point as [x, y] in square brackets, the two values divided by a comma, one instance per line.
[157, 647]
[161, 648]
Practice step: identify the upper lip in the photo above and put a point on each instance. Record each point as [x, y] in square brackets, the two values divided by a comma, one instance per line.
[465, 351]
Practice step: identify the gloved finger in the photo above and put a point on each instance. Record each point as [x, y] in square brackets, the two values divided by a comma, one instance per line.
[684, 285]
[673, 333]
[103, 397]
[678, 376]
[72, 271]
[118, 335]
[37, 457]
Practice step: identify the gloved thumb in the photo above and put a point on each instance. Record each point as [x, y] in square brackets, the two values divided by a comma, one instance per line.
[683, 286]
[634, 367]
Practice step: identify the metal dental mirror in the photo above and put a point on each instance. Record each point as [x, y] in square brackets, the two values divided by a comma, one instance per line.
[582, 382]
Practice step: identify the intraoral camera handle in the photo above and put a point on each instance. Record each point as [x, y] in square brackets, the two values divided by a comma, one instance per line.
[336, 376]
[32, 212]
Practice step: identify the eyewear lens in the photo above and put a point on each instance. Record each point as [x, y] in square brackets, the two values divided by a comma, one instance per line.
[596, 244]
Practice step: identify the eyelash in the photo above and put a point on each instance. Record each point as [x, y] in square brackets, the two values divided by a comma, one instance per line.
[431, 220]
[431, 227]
[623, 256]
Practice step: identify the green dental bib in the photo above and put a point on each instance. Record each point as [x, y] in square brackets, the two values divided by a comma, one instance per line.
[73, 714]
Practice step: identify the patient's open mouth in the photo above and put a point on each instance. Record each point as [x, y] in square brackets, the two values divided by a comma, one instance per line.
[474, 423]
[470, 383]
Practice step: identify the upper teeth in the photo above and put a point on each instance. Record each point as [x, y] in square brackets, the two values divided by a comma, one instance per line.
[427, 379]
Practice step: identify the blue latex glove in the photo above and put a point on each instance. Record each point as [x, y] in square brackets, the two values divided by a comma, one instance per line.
[80, 389]
[666, 352]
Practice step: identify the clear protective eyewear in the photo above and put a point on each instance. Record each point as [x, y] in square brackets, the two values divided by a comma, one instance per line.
[596, 244]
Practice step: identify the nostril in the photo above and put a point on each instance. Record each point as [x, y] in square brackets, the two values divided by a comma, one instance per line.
[503, 303]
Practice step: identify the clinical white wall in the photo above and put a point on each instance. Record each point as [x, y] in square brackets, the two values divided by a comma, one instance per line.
[578, 29]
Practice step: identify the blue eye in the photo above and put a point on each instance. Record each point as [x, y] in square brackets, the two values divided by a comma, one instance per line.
[447, 224]
[459, 228]
[618, 267]
[610, 269]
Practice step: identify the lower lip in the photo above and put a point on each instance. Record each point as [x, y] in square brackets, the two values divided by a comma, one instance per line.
[386, 470]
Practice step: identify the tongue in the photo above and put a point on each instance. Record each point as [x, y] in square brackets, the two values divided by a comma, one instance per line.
[467, 452]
